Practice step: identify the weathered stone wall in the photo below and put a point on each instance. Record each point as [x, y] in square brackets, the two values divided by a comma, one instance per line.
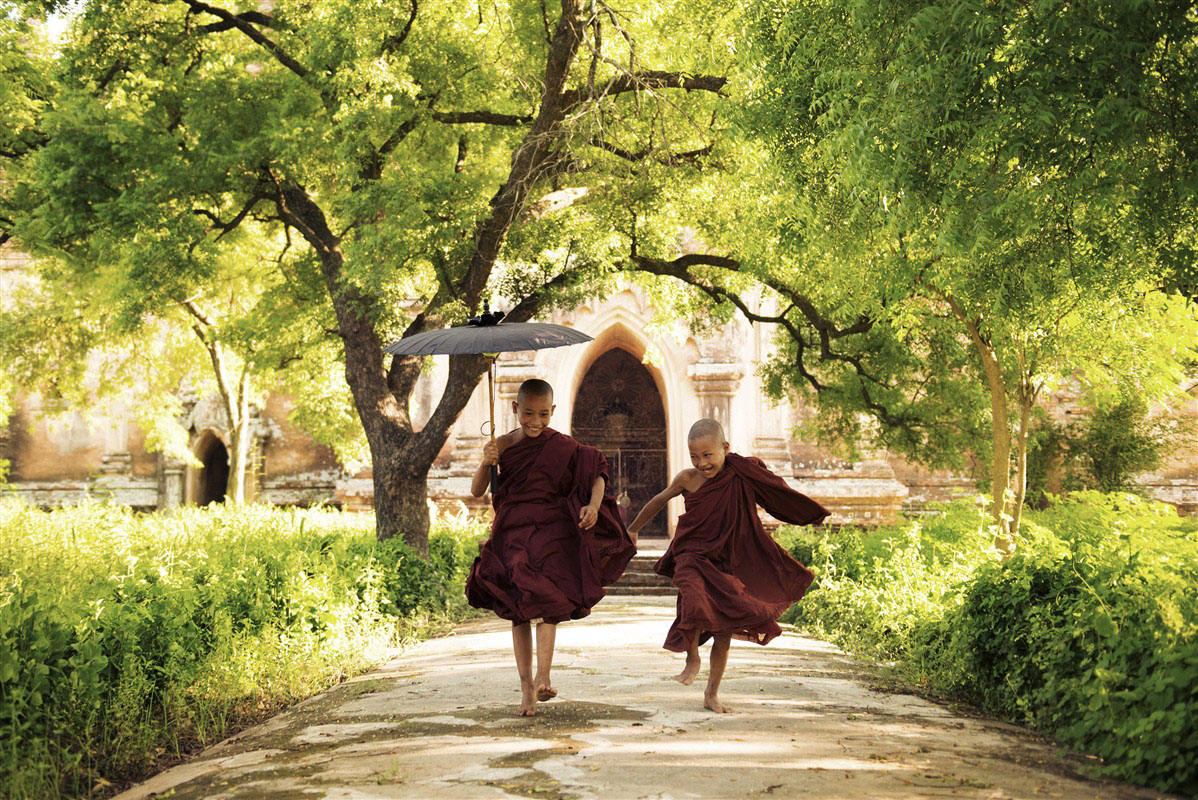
[65, 460]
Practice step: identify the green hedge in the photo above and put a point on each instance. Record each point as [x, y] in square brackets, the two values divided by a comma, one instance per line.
[1089, 632]
[127, 641]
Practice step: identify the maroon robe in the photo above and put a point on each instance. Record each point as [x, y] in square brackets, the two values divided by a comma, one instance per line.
[731, 576]
[538, 564]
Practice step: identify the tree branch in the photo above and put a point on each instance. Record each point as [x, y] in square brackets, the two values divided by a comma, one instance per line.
[532, 304]
[227, 227]
[650, 79]
[679, 268]
[393, 43]
[540, 147]
[690, 156]
[240, 23]
[379, 411]
[203, 330]
[249, 17]
[481, 117]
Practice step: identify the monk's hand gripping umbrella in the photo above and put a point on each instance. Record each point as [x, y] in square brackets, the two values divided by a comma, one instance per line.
[487, 335]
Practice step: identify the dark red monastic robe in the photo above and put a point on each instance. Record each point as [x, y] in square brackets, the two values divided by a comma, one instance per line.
[538, 564]
[731, 576]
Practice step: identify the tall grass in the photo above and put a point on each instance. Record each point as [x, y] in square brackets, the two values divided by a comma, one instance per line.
[128, 641]
[1089, 632]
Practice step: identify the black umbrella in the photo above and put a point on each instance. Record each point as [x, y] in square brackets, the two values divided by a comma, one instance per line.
[486, 335]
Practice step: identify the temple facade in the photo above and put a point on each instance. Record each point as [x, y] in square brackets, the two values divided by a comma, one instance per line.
[633, 392]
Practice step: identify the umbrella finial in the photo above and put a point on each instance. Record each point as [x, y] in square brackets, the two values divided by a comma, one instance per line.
[488, 317]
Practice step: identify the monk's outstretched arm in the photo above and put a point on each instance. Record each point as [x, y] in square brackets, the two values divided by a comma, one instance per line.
[657, 503]
[777, 497]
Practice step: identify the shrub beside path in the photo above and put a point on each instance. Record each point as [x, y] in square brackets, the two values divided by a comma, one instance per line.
[437, 722]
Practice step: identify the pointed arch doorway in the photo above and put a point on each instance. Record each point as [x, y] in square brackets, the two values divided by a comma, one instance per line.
[618, 410]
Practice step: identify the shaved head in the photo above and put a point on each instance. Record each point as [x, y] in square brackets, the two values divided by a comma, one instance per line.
[705, 428]
[534, 387]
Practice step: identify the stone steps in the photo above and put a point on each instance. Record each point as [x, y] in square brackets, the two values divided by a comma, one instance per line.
[640, 579]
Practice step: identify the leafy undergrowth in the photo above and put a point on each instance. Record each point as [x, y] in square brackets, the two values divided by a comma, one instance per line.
[129, 641]
[1089, 632]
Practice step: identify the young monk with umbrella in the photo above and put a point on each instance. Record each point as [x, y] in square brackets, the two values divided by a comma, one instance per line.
[557, 538]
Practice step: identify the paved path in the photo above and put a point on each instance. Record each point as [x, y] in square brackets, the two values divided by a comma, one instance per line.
[437, 722]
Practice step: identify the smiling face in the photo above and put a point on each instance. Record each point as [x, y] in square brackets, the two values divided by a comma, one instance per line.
[707, 454]
[533, 413]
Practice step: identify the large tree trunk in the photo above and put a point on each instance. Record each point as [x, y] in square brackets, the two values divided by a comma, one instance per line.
[400, 496]
[402, 456]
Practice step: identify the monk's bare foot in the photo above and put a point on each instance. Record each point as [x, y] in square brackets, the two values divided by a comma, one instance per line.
[545, 692]
[528, 701]
[690, 670]
[711, 702]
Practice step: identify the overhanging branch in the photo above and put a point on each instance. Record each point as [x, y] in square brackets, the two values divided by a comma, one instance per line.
[227, 227]
[393, 43]
[481, 117]
[240, 22]
[250, 17]
[636, 156]
[649, 79]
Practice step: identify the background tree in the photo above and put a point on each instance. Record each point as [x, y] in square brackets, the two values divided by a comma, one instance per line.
[1006, 179]
[377, 136]
[63, 338]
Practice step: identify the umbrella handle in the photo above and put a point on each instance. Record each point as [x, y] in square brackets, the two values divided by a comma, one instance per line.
[491, 398]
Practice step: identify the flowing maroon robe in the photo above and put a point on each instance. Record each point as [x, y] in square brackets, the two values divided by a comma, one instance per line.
[731, 576]
[538, 564]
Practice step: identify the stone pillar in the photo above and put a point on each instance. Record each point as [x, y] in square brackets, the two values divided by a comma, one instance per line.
[5, 449]
[261, 430]
[715, 383]
[772, 442]
[170, 483]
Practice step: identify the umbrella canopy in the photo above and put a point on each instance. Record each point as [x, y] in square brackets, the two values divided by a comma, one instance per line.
[486, 334]
[503, 337]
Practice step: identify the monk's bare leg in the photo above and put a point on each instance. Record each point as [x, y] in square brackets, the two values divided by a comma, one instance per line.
[692, 662]
[546, 637]
[715, 673]
[522, 644]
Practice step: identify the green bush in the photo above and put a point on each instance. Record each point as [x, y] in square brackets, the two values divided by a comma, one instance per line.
[127, 639]
[1089, 632]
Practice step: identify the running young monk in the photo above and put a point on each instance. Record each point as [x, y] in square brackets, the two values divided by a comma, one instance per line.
[556, 541]
[733, 580]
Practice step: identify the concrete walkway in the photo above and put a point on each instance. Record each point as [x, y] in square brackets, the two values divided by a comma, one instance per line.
[437, 722]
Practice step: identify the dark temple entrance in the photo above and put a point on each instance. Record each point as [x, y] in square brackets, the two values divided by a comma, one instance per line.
[619, 411]
[214, 477]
